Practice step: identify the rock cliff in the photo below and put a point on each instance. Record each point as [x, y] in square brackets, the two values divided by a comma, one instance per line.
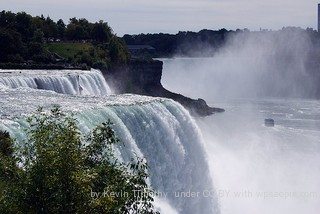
[144, 77]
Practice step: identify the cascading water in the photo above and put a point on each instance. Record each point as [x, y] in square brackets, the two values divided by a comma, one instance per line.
[65, 82]
[160, 130]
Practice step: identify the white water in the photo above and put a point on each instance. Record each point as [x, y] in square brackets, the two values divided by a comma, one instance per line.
[65, 81]
[255, 169]
[158, 129]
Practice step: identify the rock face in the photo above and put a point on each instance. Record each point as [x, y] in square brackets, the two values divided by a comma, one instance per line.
[144, 78]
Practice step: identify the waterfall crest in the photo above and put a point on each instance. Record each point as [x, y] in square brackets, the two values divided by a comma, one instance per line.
[65, 82]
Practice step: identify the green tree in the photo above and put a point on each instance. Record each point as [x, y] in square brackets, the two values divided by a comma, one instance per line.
[10, 44]
[61, 28]
[75, 32]
[24, 26]
[118, 51]
[38, 36]
[50, 28]
[7, 19]
[35, 48]
[9, 173]
[101, 32]
[78, 29]
[59, 168]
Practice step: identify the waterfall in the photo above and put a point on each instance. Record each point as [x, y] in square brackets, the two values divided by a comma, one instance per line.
[170, 140]
[73, 82]
[158, 129]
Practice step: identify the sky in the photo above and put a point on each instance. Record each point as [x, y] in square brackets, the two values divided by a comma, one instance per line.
[172, 16]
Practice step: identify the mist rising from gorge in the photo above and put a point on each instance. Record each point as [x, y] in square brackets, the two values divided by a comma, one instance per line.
[244, 155]
[250, 64]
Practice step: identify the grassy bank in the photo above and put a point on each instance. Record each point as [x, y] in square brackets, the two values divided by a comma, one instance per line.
[69, 49]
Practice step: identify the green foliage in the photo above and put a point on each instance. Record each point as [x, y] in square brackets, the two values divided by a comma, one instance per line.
[60, 171]
[74, 32]
[49, 28]
[23, 25]
[101, 32]
[118, 51]
[78, 29]
[9, 173]
[35, 48]
[10, 44]
[84, 57]
[38, 36]
[5, 144]
[21, 36]
[100, 65]
[61, 27]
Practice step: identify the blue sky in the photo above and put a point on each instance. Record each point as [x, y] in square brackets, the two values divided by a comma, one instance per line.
[136, 16]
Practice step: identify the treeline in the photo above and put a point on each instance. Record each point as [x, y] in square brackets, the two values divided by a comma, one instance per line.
[25, 38]
[187, 43]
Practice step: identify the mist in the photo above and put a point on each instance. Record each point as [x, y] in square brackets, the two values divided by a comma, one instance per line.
[249, 65]
[256, 76]
[261, 170]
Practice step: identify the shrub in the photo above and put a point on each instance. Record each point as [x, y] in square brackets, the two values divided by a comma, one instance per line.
[58, 170]
[102, 65]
